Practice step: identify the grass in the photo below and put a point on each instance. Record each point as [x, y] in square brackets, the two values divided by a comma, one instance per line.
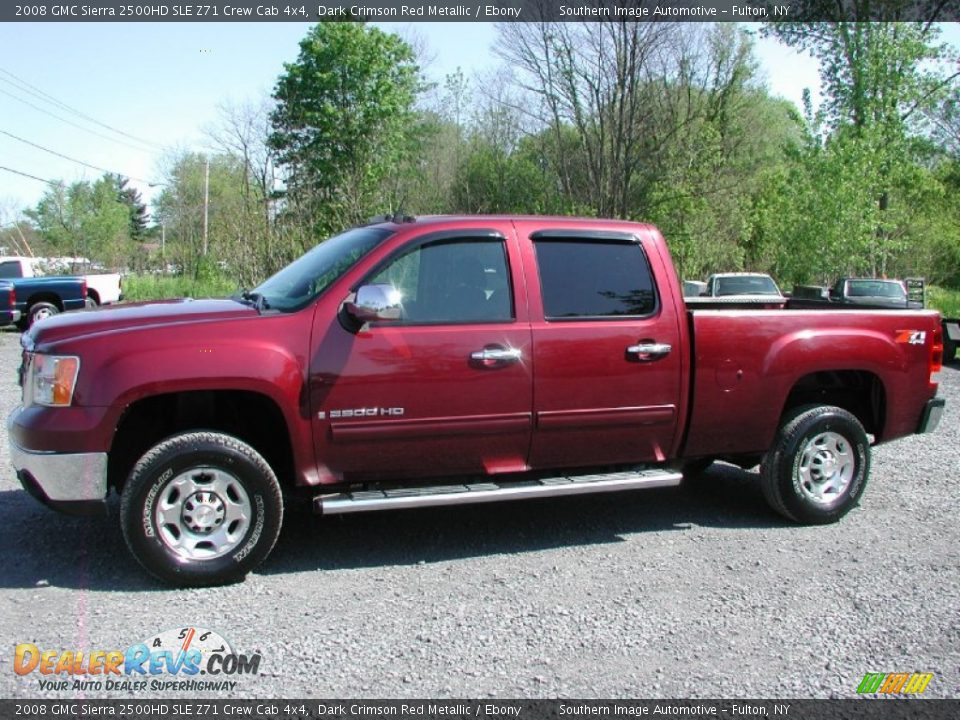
[944, 300]
[162, 287]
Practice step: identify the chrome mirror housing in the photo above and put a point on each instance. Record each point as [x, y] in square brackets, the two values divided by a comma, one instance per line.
[376, 302]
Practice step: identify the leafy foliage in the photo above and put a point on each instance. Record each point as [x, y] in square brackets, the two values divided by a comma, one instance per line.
[342, 121]
[84, 220]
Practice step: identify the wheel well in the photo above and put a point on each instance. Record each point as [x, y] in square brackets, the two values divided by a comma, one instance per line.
[93, 295]
[859, 392]
[44, 297]
[249, 416]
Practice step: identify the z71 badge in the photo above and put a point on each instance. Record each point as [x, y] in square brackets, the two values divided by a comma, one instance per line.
[362, 413]
[911, 337]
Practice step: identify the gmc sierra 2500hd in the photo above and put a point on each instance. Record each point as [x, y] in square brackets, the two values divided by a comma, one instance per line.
[451, 360]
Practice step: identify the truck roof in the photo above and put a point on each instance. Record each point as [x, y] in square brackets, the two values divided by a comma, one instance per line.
[399, 221]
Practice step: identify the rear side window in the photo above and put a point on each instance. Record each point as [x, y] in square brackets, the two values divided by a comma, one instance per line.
[594, 279]
[10, 270]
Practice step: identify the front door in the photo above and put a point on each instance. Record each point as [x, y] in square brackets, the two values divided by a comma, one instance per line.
[447, 389]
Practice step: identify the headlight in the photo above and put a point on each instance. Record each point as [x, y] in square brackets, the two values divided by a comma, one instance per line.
[51, 380]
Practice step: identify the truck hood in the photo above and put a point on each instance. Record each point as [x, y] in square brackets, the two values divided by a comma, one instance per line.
[134, 315]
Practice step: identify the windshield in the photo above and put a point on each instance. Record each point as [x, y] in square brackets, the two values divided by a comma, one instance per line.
[876, 288]
[747, 285]
[309, 275]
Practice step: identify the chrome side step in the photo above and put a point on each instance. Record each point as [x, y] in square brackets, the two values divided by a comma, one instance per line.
[414, 497]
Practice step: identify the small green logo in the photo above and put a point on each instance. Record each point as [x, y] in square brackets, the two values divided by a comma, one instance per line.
[894, 683]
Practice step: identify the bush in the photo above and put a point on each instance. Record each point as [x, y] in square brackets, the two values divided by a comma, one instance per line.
[163, 287]
[944, 300]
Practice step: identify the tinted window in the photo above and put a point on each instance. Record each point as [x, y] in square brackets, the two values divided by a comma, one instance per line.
[594, 279]
[862, 288]
[452, 281]
[746, 285]
[10, 270]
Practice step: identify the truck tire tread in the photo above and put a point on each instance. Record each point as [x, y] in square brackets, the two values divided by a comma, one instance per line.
[777, 466]
[145, 472]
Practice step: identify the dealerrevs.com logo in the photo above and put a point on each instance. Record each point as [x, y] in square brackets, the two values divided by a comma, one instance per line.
[894, 683]
[171, 660]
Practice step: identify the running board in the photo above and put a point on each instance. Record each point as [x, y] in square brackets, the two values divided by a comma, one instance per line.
[414, 497]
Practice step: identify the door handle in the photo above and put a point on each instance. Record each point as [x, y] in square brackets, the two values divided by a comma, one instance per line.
[646, 351]
[491, 355]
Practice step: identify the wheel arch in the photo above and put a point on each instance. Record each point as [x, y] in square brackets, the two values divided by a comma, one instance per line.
[253, 417]
[860, 392]
[47, 297]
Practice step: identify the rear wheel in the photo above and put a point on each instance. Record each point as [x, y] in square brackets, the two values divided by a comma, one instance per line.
[40, 311]
[818, 466]
[201, 508]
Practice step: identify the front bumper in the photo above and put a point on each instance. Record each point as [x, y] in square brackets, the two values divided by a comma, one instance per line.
[69, 482]
[932, 412]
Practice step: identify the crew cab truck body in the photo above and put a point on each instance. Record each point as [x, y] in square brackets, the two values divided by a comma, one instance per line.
[446, 361]
[40, 297]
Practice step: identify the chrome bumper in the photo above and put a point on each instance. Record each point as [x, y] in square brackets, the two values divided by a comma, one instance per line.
[59, 479]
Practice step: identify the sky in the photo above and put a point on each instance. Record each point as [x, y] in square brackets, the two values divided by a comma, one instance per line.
[162, 83]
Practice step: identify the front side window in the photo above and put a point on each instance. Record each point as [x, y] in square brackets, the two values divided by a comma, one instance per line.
[594, 279]
[452, 281]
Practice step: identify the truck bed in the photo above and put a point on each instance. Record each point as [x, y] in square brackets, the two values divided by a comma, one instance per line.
[747, 362]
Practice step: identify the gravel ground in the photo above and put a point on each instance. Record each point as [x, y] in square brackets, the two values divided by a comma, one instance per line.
[690, 592]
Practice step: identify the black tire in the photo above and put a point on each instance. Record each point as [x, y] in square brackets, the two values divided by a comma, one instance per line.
[219, 473]
[798, 474]
[39, 311]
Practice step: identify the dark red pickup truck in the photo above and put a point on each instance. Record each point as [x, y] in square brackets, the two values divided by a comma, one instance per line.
[448, 360]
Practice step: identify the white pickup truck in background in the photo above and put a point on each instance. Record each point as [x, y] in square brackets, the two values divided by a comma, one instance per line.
[102, 288]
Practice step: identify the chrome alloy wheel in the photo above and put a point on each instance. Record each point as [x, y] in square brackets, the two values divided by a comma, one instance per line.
[827, 465]
[42, 314]
[202, 513]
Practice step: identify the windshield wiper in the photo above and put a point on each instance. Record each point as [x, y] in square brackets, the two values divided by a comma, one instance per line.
[258, 301]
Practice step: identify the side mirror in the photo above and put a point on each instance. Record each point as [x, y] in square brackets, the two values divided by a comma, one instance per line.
[376, 302]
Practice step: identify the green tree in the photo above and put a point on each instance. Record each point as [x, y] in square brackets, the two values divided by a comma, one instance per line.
[343, 121]
[130, 196]
[84, 220]
[181, 207]
[879, 80]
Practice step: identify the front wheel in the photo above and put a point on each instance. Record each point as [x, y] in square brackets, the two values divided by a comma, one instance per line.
[201, 508]
[818, 466]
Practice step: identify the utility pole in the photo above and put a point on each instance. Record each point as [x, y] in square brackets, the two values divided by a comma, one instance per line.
[206, 202]
[163, 237]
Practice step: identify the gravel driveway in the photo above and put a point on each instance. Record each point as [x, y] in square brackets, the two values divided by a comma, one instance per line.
[694, 591]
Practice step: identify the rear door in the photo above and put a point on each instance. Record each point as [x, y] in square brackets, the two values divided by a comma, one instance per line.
[605, 349]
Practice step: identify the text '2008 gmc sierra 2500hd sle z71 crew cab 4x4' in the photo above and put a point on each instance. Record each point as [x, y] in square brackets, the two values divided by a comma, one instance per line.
[446, 360]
